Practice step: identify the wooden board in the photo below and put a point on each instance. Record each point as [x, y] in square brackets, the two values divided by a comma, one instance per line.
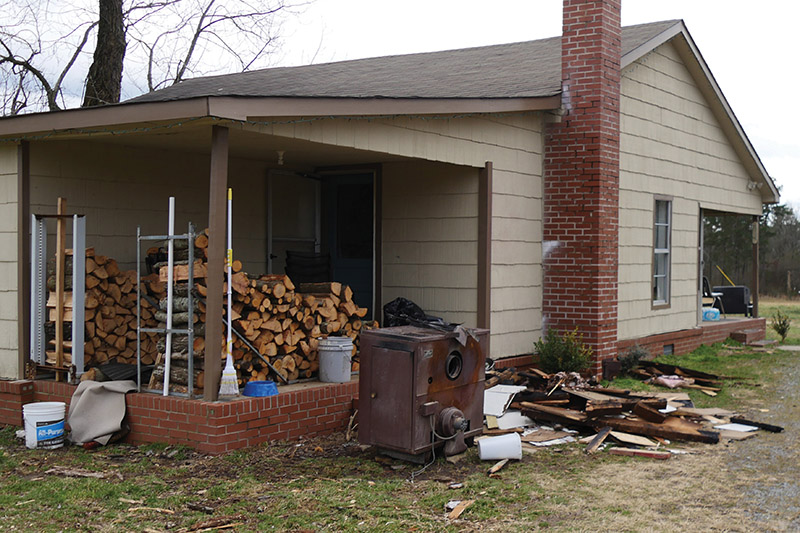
[629, 438]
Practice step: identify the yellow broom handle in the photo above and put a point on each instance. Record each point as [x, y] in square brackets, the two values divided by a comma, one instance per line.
[726, 276]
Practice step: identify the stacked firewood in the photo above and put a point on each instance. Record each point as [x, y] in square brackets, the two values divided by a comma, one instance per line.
[110, 313]
[277, 324]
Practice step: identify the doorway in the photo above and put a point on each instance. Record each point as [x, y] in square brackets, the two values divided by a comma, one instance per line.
[348, 232]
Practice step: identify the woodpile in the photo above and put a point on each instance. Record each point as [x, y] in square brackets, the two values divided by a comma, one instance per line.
[277, 323]
[110, 313]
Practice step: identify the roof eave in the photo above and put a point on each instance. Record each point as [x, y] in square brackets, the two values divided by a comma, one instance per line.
[115, 117]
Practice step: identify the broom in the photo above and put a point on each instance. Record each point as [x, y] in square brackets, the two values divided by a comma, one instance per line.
[228, 385]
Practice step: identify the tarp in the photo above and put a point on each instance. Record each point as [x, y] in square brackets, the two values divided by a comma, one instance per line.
[97, 409]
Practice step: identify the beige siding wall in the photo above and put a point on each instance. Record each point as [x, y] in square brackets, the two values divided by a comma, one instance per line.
[430, 230]
[8, 261]
[118, 188]
[672, 145]
[514, 145]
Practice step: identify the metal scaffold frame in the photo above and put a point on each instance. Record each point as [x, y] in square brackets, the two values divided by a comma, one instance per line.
[169, 331]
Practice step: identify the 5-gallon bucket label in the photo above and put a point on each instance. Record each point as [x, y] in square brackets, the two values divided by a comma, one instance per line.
[49, 433]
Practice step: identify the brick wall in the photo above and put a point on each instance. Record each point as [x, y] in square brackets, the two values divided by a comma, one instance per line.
[581, 190]
[213, 427]
[685, 341]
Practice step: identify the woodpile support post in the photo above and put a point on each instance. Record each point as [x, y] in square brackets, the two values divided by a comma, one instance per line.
[23, 255]
[217, 195]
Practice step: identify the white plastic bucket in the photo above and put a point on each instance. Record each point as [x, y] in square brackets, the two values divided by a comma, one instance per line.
[334, 359]
[44, 425]
[502, 447]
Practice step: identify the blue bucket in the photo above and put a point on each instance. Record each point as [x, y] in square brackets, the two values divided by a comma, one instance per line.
[260, 388]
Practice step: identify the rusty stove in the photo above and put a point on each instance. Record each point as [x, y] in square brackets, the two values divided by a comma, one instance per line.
[420, 389]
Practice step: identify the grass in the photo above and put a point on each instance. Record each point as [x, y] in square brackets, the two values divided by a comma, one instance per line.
[767, 308]
[331, 485]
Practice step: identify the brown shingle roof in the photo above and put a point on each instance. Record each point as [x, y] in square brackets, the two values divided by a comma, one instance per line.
[519, 70]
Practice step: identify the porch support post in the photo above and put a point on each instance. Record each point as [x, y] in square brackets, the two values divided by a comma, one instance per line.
[23, 256]
[216, 255]
[754, 282]
[485, 246]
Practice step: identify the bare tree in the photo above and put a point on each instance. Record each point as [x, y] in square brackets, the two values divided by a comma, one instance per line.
[104, 81]
[182, 40]
[35, 55]
[44, 61]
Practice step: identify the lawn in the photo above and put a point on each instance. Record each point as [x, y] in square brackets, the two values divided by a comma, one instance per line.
[330, 484]
[767, 308]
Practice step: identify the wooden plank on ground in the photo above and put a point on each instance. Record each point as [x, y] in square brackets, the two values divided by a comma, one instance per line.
[650, 454]
[672, 428]
[597, 440]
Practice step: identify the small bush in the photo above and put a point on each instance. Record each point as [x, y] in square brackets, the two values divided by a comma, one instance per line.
[563, 352]
[781, 323]
[631, 359]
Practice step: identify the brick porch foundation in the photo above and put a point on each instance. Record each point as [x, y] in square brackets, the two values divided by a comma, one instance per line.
[307, 409]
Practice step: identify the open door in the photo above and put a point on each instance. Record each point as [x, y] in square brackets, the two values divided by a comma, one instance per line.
[349, 232]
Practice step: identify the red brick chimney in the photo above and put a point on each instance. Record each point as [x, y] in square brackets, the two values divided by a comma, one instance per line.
[581, 180]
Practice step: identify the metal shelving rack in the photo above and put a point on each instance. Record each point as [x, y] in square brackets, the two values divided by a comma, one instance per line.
[39, 290]
[189, 330]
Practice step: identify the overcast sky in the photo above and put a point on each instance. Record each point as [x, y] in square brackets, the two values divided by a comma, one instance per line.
[752, 49]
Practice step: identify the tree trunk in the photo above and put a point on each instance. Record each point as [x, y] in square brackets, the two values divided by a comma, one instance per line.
[104, 81]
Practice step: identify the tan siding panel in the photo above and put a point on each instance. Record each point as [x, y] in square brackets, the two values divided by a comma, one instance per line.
[671, 145]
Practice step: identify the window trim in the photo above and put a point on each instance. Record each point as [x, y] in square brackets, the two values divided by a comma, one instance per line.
[661, 304]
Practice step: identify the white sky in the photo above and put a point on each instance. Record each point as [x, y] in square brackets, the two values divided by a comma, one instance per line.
[752, 49]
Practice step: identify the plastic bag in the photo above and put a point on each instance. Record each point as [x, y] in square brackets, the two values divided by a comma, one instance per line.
[403, 312]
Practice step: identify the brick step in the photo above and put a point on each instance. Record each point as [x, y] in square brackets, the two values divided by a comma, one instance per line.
[762, 343]
[748, 336]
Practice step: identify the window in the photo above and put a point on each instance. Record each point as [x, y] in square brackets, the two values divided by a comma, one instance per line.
[662, 227]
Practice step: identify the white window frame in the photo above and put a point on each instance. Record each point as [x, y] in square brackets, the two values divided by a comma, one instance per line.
[662, 270]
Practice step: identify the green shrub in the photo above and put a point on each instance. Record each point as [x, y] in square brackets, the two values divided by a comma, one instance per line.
[563, 352]
[781, 323]
[631, 358]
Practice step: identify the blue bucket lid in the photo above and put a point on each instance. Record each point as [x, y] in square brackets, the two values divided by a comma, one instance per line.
[260, 388]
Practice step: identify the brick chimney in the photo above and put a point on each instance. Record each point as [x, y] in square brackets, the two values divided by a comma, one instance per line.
[581, 180]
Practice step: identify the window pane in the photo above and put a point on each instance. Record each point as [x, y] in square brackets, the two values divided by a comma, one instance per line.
[662, 242]
[662, 264]
[660, 289]
[662, 212]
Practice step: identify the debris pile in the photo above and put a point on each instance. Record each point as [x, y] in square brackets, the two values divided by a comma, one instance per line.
[547, 409]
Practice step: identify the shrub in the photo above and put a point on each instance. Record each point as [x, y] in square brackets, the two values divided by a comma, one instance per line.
[781, 323]
[631, 358]
[563, 352]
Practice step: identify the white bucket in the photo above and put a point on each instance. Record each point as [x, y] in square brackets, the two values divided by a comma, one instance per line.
[503, 447]
[334, 359]
[44, 425]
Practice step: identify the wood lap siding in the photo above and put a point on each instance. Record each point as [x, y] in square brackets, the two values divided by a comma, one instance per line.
[119, 188]
[8, 260]
[672, 145]
[513, 143]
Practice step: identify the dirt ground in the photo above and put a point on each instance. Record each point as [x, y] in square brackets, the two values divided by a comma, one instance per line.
[750, 485]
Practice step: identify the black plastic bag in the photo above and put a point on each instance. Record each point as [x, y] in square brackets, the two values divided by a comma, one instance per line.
[403, 312]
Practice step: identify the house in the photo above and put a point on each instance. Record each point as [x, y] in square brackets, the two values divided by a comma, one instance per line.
[555, 183]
